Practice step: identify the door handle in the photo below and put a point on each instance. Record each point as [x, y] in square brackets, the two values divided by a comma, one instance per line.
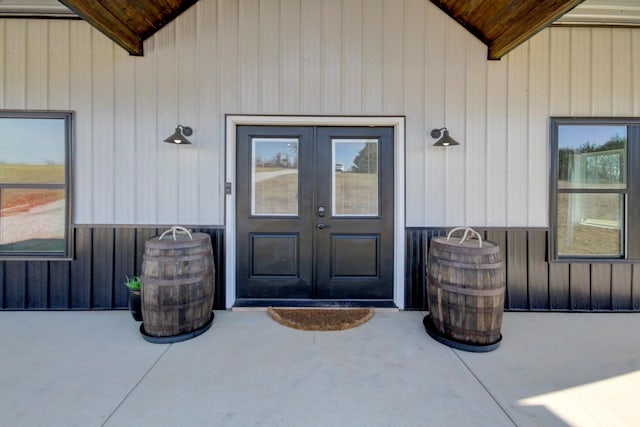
[322, 226]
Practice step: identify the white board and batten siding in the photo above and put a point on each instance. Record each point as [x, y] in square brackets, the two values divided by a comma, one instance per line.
[331, 57]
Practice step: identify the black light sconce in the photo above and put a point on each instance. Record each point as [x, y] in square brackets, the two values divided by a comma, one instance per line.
[445, 141]
[180, 135]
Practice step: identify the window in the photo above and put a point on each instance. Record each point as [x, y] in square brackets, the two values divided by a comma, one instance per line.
[35, 170]
[594, 195]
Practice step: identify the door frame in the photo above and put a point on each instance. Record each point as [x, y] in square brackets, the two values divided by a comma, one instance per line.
[397, 122]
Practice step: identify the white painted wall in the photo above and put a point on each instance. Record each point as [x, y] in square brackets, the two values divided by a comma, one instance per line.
[329, 57]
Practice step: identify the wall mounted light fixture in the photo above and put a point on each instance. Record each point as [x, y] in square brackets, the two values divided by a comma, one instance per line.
[445, 141]
[180, 135]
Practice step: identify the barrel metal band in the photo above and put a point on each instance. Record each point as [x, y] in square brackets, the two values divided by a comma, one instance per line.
[192, 280]
[192, 303]
[467, 266]
[174, 258]
[467, 291]
[440, 243]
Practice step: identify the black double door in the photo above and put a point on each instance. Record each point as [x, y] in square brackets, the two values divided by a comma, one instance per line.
[314, 214]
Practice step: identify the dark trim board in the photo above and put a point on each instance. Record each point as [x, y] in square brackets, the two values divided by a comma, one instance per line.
[94, 280]
[533, 284]
[292, 302]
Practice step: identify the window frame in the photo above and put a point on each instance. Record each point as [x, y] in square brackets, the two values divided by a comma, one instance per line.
[67, 253]
[631, 198]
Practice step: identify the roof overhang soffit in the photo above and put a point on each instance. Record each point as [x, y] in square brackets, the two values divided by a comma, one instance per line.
[128, 22]
[504, 24]
[500, 24]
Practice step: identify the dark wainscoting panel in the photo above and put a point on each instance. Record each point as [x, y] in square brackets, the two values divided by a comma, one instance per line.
[533, 283]
[104, 256]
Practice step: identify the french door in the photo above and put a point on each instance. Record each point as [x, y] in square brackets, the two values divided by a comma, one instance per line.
[314, 214]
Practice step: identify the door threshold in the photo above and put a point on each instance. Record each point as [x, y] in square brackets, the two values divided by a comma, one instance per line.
[245, 304]
[264, 309]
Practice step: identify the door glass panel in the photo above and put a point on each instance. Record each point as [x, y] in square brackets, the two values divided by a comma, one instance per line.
[592, 156]
[590, 224]
[355, 177]
[274, 176]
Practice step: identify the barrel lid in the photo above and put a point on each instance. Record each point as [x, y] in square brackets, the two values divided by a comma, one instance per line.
[181, 239]
[469, 243]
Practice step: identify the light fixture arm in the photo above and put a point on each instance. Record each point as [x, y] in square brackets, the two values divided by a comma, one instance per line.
[186, 130]
[437, 133]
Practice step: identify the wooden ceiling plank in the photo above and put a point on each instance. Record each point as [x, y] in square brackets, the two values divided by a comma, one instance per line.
[493, 21]
[151, 12]
[175, 9]
[128, 22]
[100, 17]
[456, 12]
[528, 25]
[504, 24]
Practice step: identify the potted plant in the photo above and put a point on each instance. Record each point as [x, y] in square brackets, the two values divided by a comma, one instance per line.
[135, 307]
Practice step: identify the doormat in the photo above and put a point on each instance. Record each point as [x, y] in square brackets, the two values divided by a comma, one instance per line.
[321, 319]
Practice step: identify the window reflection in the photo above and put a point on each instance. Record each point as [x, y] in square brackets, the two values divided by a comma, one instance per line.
[591, 187]
[355, 177]
[33, 183]
[32, 220]
[275, 176]
[592, 156]
[590, 224]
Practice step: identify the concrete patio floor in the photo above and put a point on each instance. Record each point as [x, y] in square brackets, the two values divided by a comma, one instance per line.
[95, 369]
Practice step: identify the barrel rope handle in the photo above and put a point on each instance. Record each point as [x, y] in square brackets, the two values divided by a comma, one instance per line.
[467, 230]
[176, 229]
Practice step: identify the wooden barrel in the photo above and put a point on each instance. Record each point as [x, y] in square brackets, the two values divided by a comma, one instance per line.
[177, 284]
[466, 290]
